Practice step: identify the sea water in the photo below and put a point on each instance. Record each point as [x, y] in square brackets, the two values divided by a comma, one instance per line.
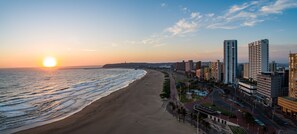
[34, 97]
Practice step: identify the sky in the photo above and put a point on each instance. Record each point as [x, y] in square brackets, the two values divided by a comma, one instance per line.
[90, 32]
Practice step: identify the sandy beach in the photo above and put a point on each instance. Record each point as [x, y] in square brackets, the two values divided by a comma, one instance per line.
[132, 110]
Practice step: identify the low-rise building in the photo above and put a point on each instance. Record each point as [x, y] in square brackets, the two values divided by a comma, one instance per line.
[288, 105]
[247, 87]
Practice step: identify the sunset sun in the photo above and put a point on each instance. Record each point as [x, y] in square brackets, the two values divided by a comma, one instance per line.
[49, 62]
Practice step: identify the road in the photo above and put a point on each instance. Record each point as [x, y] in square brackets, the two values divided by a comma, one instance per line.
[258, 112]
[173, 90]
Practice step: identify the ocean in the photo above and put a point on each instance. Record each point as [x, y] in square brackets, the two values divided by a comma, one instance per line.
[34, 97]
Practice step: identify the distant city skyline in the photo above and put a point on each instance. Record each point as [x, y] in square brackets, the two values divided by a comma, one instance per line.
[80, 33]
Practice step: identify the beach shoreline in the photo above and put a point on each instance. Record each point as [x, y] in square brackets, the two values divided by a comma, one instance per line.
[136, 108]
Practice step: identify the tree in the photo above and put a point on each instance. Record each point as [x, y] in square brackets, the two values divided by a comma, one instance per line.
[184, 113]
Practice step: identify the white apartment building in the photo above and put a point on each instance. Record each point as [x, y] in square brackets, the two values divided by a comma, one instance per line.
[258, 57]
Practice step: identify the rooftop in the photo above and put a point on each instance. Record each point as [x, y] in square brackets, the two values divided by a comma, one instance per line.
[247, 81]
[289, 98]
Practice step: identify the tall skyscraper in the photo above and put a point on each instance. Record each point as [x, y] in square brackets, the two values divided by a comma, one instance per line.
[230, 61]
[293, 75]
[258, 57]
[289, 103]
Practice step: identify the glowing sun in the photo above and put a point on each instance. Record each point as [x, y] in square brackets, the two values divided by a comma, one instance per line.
[49, 62]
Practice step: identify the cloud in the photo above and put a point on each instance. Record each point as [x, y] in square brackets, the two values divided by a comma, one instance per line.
[236, 8]
[182, 26]
[251, 23]
[220, 26]
[195, 15]
[210, 14]
[163, 5]
[278, 6]
[247, 14]
[251, 13]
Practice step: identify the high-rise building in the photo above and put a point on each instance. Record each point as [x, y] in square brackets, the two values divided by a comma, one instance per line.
[230, 61]
[198, 65]
[207, 73]
[289, 103]
[258, 57]
[286, 78]
[272, 66]
[215, 68]
[293, 75]
[189, 66]
[246, 71]
[222, 71]
[269, 87]
[239, 71]
[200, 74]
[180, 66]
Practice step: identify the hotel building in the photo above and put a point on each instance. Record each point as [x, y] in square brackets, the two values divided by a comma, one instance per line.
[258, 57]
[230, 61]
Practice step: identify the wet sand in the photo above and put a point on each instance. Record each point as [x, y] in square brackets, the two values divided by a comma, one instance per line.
[133, 110]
